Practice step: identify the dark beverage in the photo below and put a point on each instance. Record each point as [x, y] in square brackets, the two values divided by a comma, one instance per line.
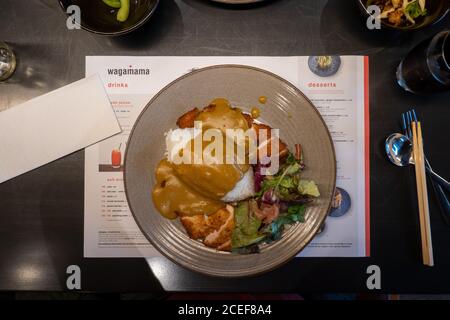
[426, 69]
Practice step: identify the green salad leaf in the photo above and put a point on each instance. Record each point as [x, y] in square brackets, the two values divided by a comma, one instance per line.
[290, 159]
[293, 168]
[285, 181]
[308, 188]
[246, 231]
[414, 10]
[295, 213]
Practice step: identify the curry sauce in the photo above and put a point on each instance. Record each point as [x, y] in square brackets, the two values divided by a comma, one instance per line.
[194, 189]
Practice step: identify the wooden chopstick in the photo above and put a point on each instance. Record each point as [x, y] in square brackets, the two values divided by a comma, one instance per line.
[423, 236]
[422, 195]
[425, 194]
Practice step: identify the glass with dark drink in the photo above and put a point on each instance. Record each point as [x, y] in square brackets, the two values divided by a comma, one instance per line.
[426, 69]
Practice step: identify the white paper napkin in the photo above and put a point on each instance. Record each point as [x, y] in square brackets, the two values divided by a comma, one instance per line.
[54, 125]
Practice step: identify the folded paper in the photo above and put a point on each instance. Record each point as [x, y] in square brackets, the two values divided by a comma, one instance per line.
[54, 125]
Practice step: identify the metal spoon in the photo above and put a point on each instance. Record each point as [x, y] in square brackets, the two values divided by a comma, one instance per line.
[399, 151]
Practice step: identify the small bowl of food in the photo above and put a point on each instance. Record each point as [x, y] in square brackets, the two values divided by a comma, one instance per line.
[406, 15]
[111, 17]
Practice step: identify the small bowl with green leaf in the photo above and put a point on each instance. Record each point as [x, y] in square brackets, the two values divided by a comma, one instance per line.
[112, 17]
[406, 15]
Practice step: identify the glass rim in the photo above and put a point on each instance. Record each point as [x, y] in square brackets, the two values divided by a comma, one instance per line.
[13, 62]
[444, 43]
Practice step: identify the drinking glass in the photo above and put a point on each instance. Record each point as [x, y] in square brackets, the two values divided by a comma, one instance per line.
[116, 158]
[426, 69]
[7, 61]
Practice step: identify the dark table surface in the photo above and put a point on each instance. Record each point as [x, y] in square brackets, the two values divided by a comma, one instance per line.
[41, 212]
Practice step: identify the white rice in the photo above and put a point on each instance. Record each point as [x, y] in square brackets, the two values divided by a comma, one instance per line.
[244, 189]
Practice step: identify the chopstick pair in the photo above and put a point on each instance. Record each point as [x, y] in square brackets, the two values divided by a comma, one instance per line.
[414, 131]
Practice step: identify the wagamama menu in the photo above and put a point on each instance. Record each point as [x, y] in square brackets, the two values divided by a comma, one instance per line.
[340, 93]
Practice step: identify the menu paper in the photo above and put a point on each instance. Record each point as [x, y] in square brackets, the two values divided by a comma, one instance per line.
[340, 93]
[54, 125]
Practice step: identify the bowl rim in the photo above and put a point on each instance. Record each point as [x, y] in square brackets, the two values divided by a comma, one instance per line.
[385, 25]
[116, 33]
[187, 266]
